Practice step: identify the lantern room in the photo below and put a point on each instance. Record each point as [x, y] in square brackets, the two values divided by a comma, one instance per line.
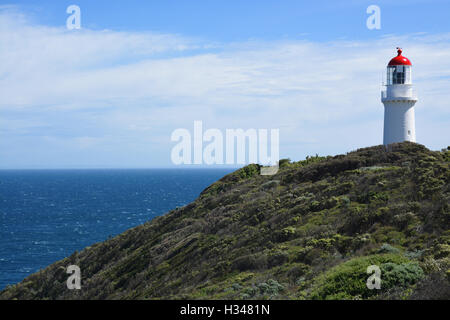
[399, 70]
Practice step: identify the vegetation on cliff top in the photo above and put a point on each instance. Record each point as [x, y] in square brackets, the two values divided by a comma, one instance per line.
[308, 232]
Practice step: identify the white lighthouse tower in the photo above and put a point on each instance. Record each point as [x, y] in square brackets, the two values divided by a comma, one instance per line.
[399, 99]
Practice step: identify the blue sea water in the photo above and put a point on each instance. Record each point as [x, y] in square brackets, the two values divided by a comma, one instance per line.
[45, 215]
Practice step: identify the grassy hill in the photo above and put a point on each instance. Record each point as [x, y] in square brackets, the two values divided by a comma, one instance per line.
[308, 232]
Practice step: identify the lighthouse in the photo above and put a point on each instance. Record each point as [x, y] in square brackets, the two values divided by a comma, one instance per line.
[399, 98]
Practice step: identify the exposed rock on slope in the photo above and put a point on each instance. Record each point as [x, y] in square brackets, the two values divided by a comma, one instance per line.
[310, 231]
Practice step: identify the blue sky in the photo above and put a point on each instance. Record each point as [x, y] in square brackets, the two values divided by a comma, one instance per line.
[236, 20]
[110, 94]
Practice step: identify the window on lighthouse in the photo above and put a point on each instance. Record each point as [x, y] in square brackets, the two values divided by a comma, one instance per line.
[398, 75]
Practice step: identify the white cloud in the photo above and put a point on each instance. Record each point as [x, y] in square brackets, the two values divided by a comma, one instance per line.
[117, 89]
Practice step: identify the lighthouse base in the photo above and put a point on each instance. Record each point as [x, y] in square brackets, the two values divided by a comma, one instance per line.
[399, 122]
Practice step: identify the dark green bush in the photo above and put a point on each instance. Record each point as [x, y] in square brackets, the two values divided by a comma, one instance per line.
[250, 262]
[277, 259]
[387, 248]
[349, 279]
[400, 274]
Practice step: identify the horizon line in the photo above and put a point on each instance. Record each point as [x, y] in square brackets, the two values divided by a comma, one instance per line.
[190, 167]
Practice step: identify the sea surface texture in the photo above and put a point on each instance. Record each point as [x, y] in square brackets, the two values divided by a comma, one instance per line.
[45, 215]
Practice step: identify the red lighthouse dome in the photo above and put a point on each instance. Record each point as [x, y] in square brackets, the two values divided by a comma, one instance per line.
[399, 60]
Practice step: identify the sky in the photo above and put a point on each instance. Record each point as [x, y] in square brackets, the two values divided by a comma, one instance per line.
[109, 95]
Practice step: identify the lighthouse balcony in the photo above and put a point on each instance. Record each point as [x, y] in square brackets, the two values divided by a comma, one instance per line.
[398, 92]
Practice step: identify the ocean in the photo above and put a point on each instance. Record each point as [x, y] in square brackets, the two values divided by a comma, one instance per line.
[45, 215]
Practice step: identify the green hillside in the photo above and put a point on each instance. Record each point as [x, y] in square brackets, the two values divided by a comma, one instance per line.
[308, 232]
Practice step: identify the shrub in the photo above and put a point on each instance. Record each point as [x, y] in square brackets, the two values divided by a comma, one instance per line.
[236, 286]
[414, 254]
[344, 201]
[400, 274]
[277, 259]
[387, 248]
[297, 271]
[271, 288]
[250, 262]
[284, 234]
[248, 171]
[284, 162]
[270, 184]
[348, 280]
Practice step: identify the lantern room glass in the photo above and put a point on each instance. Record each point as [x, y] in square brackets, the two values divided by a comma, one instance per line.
[398, 75]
